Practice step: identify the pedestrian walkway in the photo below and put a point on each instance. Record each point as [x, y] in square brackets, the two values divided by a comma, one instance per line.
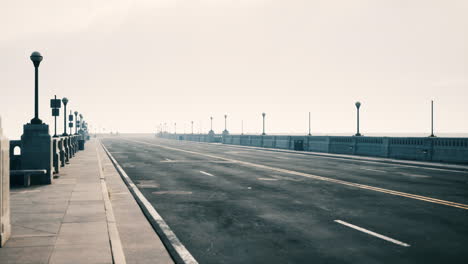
[86, 216]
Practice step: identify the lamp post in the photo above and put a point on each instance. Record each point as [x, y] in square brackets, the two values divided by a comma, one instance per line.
[211, 124]
[263, 115]
[225, 122]
[55, 104]
[192, 127]
[65, 102]
[309, 125]
[76, 122]
[358, 105]
[242, 127]
[432, 119]
[36, 58]
[81, 124]
[175, 128]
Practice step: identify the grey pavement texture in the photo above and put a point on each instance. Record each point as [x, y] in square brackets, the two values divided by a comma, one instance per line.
[231, 205]
[66, 222]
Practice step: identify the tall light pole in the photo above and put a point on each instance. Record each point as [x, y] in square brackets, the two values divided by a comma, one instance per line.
[225, 122]
[192, 126]
[358, 105]
[263, 115]
[432, 119]
[242, 127]
[65, 102]
[81, 124]
[309, 125]
[76, 122]
[211, 123]
[36, 58]
[175, 128]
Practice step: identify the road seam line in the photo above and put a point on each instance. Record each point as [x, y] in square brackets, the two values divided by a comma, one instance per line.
[176, 249]
[373, 233]
[311, 176]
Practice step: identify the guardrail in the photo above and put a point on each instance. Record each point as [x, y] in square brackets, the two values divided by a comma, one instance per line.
[449, 150]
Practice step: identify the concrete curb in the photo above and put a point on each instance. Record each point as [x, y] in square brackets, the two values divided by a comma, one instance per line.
[452, 167]
[118, 256]
[176, 249]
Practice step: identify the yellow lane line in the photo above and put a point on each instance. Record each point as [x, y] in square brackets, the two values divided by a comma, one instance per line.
[311, 176]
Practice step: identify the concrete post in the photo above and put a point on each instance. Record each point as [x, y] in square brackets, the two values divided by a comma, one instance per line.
[36, 153]
[5, 226]
[386, 147]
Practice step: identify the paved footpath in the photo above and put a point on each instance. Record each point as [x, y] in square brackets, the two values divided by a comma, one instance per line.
[86, 216]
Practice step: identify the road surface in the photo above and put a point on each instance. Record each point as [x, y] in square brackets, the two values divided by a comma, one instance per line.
[229, 204]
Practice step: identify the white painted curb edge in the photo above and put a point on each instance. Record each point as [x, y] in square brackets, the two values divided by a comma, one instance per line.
[118, 255]
[176, 249]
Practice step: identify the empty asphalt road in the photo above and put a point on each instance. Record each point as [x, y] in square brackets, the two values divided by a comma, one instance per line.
[229, 204]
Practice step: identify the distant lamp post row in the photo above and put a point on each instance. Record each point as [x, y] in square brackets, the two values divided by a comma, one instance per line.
[55, 104]
[358, 134]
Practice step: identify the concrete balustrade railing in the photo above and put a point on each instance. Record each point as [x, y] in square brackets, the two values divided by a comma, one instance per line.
[62, 149]
[450, 150]
[5, 226]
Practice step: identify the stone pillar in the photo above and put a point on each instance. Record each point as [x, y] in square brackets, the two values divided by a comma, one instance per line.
[5, 226]
[36, 153]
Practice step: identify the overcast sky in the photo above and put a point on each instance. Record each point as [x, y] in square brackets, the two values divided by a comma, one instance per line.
[131, 65]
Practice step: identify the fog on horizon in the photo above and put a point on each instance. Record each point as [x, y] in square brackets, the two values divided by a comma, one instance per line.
[129, 66]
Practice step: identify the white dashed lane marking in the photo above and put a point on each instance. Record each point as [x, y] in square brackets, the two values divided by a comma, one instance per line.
[206, 173]
[373, 233]
[367, 169]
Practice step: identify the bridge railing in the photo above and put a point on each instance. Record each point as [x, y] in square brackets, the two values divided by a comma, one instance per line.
[62, 149]
[450, 150]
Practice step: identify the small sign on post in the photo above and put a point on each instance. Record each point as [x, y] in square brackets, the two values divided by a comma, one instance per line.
[55, 103]
[55, 112]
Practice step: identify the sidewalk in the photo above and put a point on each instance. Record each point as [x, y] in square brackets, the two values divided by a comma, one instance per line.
[86, 216]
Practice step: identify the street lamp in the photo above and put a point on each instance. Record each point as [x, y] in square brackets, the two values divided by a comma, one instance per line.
[225, 124]
[36, 58]
[432, 119]
[55, 104]
[242, 127]
[65, 102]
[76, 122]
[358, 105]
[309, 125]
[192, 127]
[81, 123]
[211, 126]
[175, 128]
[263, 115]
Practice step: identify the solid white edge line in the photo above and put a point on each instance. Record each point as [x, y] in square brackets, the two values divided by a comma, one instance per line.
[183, 255]
[373, 233]
[206, 173]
